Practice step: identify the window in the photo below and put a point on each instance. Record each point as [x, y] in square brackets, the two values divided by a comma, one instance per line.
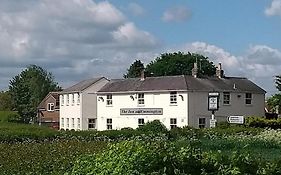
[62, 100]
[141, 99]
[78, 122]
[173, 97]
[78, 98]
[141, 122]
[202, 122]
[51, 106]
[109, 99]
[73, 99]
[67, 99]
[173, 123]
[92, 123]
[57, 103]
[109, 123]
[62, 122]
[72, 123]
[226, 98]
[248, 99]
[67, 122]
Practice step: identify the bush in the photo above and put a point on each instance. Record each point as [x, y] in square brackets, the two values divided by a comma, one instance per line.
[154, 126]
[262, 122]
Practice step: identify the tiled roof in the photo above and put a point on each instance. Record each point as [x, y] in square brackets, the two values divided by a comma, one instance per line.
[182, 82]
[82, 85]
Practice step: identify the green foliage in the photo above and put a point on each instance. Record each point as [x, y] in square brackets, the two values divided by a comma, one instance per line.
[154, 126]
[6, 102]
[9, 116]
[180, 64]
[135, 70]
[262, 122]
[28, 89]
[274, 102]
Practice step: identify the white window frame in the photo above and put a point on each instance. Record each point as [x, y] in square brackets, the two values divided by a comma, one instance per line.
[140, 122]
[173, 123]
[226, 98]
[62, 100]
[202, 122]
[73, 100]
[78, 98]
[62, 122]
[173, 98]
[92, 123]
[73, 123]
[109, 124]
[51, 107]
[248, 99]
[140, 98]
[67, 122]
[67, 99]
[109, 100]
[78, 123]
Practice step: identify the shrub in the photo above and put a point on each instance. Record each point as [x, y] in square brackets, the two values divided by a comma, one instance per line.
[154, 126]
[262, 122]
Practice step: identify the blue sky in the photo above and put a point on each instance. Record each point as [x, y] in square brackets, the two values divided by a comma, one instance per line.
[79, 39]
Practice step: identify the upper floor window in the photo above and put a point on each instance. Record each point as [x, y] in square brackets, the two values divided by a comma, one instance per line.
[62, 122]
[141, 98]
[72, 95]
[173, 123]
[109, 99]
[92, 123]
[109, 123]
[62, 100]
[67, 99]
[140, 122]
[248, 99]
[226, 98]
[78, 98]
[51, 106]
[202, 122]
[173, 97]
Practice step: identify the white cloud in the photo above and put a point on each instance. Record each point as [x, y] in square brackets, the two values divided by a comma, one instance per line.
[176, 14]
[136, 9]
[274, 9]
[74, 39]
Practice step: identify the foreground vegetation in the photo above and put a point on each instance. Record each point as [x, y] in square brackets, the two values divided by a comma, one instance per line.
[152, 149]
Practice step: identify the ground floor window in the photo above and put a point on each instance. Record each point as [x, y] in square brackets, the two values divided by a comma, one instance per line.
[202, 122]
[67, 122]
[141, 122]
[72, 123]
[78, 122]
[62, 122]
[92, 123]
[173, 123]
[109, 123]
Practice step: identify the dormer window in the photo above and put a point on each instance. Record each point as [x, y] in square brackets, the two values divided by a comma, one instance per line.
[141, 98]
[51, 107]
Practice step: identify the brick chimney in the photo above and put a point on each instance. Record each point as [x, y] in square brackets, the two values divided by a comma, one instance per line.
[219, 71]
[194, 70]
[142, 77]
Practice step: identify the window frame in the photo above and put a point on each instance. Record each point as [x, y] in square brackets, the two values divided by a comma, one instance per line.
[73, 123]
[173, 98]
[78, 123]
[173, 123]
[73, 100]
[67, 99]
[140, 98]
[248, 99]
[67, 122]
[62, 122]
[50, 106]
[62, 100]
[140, 122]
[91, 123]
[226, 98]
[109, 101]
[78, 98]
[109, 124]
[202, 124]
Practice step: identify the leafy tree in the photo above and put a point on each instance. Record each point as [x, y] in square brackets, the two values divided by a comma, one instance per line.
[274, 102]
[29, 88]
[6, 102]
[134, 70]
[180, 64]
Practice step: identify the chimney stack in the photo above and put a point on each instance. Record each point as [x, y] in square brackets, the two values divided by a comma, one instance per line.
[219, 71]
[142, 77]
[194, 70]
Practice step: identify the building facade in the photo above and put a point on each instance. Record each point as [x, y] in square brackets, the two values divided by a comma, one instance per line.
[78, 104]
[48, 111]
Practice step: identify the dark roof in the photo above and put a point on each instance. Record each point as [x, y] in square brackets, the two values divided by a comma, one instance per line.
[55, 95]
[82, 85]
[182, 82]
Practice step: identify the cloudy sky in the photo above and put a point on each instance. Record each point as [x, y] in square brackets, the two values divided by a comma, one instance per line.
[80, 39]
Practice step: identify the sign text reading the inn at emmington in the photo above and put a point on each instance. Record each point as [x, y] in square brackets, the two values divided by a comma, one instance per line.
[141, 111]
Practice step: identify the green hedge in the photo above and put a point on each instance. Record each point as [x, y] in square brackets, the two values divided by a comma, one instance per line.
[262, 122]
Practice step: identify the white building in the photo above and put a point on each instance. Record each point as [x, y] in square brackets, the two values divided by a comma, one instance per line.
[78, 104]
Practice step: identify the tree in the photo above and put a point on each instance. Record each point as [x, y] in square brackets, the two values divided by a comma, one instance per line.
[134, 70]
[180, 64]
[29, 88]
[6, 102]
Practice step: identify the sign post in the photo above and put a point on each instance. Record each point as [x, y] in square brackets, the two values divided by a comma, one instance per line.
[213, 105]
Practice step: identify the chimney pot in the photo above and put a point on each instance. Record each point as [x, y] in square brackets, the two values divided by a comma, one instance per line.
[194, 70]
[219, 71]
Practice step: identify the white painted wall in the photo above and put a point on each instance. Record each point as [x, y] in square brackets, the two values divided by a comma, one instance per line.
[152, 100]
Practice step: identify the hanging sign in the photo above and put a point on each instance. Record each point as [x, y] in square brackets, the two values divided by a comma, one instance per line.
[213, 101]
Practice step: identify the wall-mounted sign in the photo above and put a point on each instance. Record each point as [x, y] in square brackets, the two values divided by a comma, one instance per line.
[141, 111]
[235, 119]
[213, 101]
